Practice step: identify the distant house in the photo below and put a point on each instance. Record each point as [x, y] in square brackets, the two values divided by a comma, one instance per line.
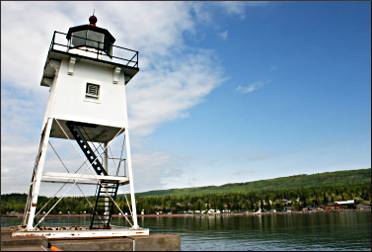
[339, 205]
[288, 209]
[345, 202]
[258, 211]
[211, 211]
[363, 207]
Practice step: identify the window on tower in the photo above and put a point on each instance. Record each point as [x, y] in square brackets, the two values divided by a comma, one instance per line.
[91, 39]
[92, 91]
[95, 39]
[79, 38]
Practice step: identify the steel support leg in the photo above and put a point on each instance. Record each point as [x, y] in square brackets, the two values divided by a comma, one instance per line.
[37, 174]
[105, 165]
[130, 175]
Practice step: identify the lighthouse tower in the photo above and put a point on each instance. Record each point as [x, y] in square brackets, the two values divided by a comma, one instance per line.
[87, 76]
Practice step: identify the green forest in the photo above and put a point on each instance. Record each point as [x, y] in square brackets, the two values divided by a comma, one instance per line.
[294, 192]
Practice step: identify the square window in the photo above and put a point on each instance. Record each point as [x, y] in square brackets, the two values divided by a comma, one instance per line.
[92, 91]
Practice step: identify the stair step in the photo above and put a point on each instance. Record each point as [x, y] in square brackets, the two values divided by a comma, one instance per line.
[104, 199]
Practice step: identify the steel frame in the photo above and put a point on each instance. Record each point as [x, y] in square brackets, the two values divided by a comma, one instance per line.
[38, 177]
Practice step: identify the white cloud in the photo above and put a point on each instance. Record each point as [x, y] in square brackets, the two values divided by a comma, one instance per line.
[240, 8]
[157, 169]
[26, 34]
[252, 87]
[224, 34]
[234, 8]
[173, 76]
[166, 92]
[16, 166]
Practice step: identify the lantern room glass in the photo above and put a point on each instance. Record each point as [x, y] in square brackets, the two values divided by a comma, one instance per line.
[91, 39]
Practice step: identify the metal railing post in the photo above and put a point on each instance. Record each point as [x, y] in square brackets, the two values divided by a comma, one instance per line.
[137, 60]
[131, 61]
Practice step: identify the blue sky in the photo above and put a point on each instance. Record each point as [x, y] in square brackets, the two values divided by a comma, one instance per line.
[228, 91]
[313, 107]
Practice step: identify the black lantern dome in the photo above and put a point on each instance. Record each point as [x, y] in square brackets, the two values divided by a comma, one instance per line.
[91, 36]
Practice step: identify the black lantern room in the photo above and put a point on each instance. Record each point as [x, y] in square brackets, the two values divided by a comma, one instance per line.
[91, 36]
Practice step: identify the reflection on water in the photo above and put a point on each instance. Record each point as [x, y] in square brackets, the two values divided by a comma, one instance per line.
[317, 231]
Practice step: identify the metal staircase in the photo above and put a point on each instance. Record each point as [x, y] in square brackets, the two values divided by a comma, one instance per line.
[85, 147]
[101, 216]
[103, 207]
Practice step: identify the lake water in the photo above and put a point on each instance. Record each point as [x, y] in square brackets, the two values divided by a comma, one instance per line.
[316, 231]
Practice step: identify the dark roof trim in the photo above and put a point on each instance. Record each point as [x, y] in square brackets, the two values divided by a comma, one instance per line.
[93, 28]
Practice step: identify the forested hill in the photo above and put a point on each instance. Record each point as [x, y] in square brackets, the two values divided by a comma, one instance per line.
[295, 191]
[320, 180]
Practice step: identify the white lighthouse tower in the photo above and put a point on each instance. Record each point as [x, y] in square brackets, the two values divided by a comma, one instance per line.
[87, 76]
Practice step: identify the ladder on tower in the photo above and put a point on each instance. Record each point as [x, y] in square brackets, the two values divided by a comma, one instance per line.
[103, 207]
[102, 213]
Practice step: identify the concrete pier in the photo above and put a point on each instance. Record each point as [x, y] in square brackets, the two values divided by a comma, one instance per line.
[152, 242]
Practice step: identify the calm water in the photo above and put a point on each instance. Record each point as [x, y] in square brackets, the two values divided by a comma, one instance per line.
[317, 231]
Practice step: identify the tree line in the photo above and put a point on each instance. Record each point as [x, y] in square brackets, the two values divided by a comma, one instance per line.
[279, 200]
